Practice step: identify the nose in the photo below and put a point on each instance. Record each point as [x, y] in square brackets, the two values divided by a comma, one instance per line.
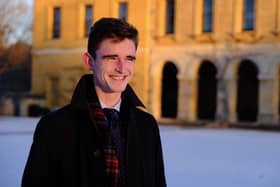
[120, 65]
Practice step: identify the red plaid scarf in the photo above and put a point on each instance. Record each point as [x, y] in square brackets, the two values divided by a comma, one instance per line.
[112, 163]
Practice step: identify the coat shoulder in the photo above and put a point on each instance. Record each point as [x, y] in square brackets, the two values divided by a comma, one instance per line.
[58, 116]
[143, 114]
[57, 123]
[146, 121]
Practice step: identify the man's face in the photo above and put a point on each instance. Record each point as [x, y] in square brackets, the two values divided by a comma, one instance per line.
[114, 65]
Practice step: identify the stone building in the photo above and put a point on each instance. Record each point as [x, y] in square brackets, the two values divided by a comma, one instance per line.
[198, 60]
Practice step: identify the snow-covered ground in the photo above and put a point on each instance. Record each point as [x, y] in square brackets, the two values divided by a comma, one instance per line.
[194, 157]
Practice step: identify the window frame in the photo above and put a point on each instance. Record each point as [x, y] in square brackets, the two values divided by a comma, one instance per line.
[248, 15]
[170, 17]
[207, 16]
[56, 31]
[88, 19]
[123, 10]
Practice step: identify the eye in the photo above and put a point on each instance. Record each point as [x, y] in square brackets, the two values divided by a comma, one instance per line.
[130, 58]
[110, 58]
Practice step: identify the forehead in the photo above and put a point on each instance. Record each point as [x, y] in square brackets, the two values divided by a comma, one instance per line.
[113, 45]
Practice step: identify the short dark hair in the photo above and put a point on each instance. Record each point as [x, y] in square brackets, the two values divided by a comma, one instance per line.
[110, 28]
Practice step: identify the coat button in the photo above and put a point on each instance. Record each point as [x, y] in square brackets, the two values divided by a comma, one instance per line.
[97, 153]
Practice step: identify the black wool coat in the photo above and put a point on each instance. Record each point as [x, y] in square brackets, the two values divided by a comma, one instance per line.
[67, 148]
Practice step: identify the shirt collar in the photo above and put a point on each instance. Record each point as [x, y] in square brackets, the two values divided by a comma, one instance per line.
[116, 106]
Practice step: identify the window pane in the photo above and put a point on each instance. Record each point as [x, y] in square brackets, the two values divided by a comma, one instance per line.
[88, 19]
[248, 14]
[207, 15]
[56, 22]
[170, 16]
[123, 11]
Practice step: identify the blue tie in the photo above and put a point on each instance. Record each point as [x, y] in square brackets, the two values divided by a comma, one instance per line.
[112, 116]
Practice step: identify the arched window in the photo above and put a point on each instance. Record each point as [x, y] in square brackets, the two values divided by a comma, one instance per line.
[247, 91]
[169, 98]
[278, 81]
[207, 91]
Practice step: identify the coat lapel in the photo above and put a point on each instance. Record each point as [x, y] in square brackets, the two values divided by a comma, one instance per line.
[91, 154]
[134, 153]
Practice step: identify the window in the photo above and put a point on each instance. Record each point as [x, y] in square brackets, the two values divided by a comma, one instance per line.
[207, 16]
[170, 16]
[88, 19]
[248, 15]
[123, 11]
[56, 22]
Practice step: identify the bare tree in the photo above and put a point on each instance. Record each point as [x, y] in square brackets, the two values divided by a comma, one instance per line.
[15, 22]
[15, 27]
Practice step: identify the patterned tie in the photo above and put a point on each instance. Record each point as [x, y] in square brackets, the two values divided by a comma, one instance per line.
[112, 116]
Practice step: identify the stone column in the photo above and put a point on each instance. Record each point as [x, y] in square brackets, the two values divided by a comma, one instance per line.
[183, 101]
[265, 110]
[276, 99]
[190, 100]
[222, 111]
[232, 99]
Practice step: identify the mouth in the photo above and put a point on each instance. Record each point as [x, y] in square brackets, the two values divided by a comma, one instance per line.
[118, 77]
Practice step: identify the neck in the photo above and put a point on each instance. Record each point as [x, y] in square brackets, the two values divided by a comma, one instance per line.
[109, 99]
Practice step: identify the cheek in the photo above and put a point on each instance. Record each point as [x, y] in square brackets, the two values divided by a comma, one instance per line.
[107, 67]
[98, 68]
[131, 68]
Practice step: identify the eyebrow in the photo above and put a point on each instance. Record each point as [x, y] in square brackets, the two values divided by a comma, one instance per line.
[113, 55]
[108, 56]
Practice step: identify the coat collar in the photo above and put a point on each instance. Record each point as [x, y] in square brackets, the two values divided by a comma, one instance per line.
[84, 97]
[84, 94]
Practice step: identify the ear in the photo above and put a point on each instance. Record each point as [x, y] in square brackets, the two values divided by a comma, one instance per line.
[88, 61]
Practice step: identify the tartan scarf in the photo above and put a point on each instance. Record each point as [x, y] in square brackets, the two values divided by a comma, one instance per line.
[112, 163]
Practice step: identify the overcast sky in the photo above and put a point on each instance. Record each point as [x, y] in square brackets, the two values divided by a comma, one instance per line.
[29, 1]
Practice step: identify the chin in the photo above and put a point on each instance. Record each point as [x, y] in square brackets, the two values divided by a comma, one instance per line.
[118, 89]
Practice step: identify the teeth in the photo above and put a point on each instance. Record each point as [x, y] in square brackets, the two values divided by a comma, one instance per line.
[118, 78]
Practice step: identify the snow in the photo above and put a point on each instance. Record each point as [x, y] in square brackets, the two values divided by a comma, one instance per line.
[221, 157]
[15, 140]
[193, 157]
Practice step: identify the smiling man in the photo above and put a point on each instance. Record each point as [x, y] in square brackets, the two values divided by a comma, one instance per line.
[113, 64]
[102, 138]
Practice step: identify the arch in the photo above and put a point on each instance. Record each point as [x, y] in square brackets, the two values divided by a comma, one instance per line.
[191, 68]
[169, 90]
[207, 91]
[278, 93]
[247, 91]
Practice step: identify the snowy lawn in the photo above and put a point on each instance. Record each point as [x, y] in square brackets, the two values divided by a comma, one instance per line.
[194, 157]
[221, 157]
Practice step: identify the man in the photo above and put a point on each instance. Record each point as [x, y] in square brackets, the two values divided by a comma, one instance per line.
[102, 138]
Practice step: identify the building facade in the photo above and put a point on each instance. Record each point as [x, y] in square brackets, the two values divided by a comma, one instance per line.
[198, 60]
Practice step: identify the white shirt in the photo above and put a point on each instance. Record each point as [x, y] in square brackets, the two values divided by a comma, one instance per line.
[116, 106]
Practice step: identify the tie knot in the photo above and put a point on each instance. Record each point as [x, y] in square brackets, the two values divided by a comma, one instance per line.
[111, 114]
